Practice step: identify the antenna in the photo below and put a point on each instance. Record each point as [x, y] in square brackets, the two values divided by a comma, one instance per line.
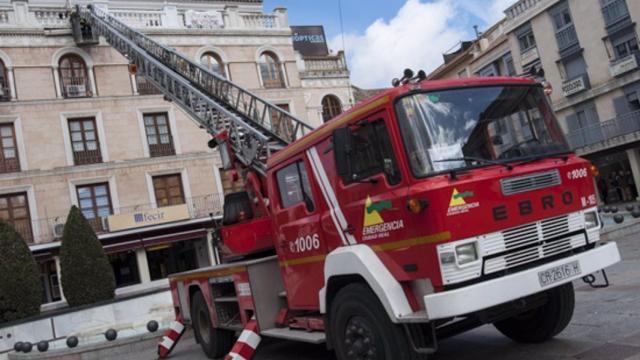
[344, 47]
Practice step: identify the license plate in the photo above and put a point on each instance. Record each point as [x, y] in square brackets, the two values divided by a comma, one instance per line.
[559, 273]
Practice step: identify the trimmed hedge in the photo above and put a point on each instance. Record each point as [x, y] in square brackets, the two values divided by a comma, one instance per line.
[87, 275]
[20, 288]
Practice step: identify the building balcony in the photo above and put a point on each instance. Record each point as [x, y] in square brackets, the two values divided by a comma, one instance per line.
[530, 55]
[614, 132]
[324, 66]
[615, 12]
[624, 65]
[576, 85]
[168, 18]
[43, 231]
[567, 37]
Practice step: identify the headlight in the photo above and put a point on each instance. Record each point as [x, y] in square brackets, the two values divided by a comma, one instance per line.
[591, 220]
[447, 258]
[466, 253]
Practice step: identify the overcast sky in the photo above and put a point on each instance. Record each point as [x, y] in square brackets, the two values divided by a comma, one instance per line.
[383, 37]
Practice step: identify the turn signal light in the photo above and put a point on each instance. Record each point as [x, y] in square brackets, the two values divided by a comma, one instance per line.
[416, 206]
[594, 171]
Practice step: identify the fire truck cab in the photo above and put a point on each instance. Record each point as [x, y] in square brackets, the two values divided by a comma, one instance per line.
[431, 209]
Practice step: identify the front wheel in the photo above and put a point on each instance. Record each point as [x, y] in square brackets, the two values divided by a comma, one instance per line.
[215, 343]
[543, 323]
[362, 330]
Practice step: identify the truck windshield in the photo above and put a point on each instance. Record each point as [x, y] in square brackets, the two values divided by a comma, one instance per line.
[459, 128]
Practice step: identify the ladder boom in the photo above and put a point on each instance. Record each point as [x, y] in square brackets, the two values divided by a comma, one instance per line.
[256, 128]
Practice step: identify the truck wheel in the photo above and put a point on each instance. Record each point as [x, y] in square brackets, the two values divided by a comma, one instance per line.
[215, 343]
[541, 324]
[361, 329]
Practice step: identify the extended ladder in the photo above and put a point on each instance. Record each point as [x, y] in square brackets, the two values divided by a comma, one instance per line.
[255, 128]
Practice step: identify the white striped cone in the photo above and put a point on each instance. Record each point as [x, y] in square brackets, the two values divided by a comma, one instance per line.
[247, 342]
[170, 338]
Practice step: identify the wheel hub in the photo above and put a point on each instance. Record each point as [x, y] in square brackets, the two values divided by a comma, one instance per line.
[359, 340]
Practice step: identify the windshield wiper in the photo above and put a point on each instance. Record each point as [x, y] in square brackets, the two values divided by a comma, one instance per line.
[560, 155]
[477, 159]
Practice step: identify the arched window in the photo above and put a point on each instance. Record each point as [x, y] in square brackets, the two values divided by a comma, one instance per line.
[331, 107]
[214, 63]
[74, 77]
[270, 71]
[5, 92]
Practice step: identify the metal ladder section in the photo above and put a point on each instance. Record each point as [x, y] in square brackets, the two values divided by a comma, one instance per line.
[256, 128]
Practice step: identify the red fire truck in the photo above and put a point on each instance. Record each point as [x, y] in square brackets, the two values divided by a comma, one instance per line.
[431, 209]
[428, 210]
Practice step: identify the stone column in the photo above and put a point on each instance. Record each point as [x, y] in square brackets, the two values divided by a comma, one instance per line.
[170, 17]
[143, 266]
[283, 17]
[134, 84]
[232, 18]
[12, 83]
[56, 82]
[92, 81]
[634, 161]
[21, 12]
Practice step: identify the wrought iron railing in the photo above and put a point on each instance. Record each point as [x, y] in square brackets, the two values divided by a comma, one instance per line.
[615, 11]
[50, 229]
[567, 37]
[593, 134]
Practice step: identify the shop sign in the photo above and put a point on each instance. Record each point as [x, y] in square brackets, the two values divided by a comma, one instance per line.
[574, 86]
[148, 217]
[624, 65]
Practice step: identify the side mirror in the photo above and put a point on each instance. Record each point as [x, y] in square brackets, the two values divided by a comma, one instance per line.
[342, 148]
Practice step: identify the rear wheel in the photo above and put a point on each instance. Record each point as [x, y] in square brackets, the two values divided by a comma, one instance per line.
[215, 343]
[543, 323]
[361, 329]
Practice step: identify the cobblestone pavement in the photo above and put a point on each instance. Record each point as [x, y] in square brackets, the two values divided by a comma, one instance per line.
[606, 325]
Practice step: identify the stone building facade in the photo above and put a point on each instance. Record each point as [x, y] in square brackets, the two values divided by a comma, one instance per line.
[589, 52]
[78, 129]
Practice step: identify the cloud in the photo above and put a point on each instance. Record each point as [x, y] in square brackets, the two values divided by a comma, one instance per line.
[416, 37]
[487, 11]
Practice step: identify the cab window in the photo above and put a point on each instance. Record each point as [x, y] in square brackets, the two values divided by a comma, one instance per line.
[293, 184]
[372, 153]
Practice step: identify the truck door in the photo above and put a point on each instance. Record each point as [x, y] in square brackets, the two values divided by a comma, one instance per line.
[373, 193]
[300, 241]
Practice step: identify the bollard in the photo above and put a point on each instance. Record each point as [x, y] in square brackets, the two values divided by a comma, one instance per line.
[27, 347]
[111, 334]
[629, 207]
[152, 326]
[43, 346]
[72, 341]
[635, 213]
[18, 346]
[614, 209]
[618, 219]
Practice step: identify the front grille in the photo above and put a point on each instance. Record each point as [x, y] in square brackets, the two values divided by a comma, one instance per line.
[532, 242]
[535, 253]
[530, 182]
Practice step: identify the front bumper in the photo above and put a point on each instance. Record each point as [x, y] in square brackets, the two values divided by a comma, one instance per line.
[498, 291]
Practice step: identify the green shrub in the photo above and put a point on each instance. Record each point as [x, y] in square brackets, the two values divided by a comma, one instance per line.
[87, 275]
[20, 288]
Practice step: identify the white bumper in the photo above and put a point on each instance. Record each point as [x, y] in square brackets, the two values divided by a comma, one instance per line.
[494, 292]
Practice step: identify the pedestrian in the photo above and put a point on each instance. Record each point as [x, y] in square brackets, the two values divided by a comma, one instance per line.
[617, 184]
[603, 189]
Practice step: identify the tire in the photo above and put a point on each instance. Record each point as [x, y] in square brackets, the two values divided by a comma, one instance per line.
[361, 330]
[215, 343]
[543, 323]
